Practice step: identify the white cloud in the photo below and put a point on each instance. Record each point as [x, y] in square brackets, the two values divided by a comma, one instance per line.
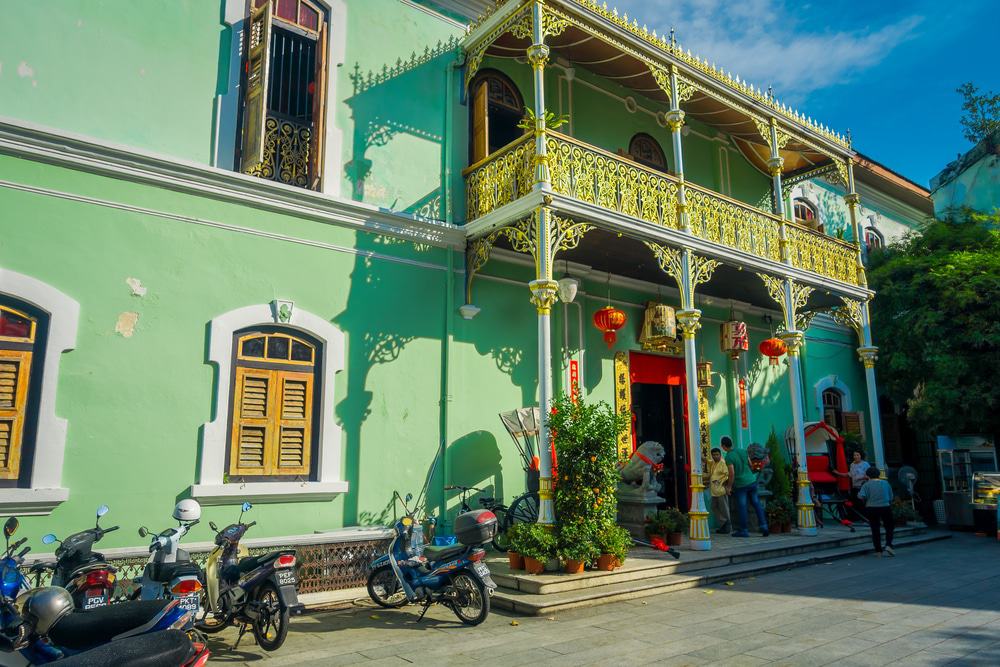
[766, 43]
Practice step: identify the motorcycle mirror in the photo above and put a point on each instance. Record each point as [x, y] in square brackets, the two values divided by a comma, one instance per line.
[143, 531]
[49, 539]
[10, 527]
[246, 506]
[211, 524]
[102, 510]
[409, 497]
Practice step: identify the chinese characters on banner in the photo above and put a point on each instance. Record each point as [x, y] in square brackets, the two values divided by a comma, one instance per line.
[574, 379]
[743, 403]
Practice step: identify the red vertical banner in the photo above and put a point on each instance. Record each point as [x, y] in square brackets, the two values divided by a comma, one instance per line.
[574, 379]
[743, 403]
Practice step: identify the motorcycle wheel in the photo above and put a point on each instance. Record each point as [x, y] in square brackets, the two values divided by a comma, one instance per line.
[500, 542]
[271, 626]
[471, 602]
[208, 622]
[384, 588]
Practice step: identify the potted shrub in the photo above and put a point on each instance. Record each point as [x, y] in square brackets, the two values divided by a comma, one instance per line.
[788, 513]
[537, 545]
[677, 524]
[658, 525]
[515, 536]
[902, 512]
[577, 546]
[613, 543]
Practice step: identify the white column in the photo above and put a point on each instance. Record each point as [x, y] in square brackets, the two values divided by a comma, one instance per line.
[774, 165]
[675, 120]
[868, 354]
[538, 55]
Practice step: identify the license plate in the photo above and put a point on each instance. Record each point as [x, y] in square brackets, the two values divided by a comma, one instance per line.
[189, 603]
[286, 577]
[481, 569]
[95, 601]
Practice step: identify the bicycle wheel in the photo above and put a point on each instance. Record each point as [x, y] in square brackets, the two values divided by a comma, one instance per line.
[500, 541]
[524, 509]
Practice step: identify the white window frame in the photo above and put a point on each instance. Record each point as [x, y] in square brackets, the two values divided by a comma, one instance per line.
[46, 491]
[832, 382]
[211, 488]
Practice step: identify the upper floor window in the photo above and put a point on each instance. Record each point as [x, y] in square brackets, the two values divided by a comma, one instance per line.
[805, 214]
[874, 238]
[497, 108]
[284, 88]
[21, 357]
[833, 409]
[274, 404]
[645, 150]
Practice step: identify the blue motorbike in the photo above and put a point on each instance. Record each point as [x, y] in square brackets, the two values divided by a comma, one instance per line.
[454, 575]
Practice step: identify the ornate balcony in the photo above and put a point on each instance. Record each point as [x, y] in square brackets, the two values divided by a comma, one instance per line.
[619, 185]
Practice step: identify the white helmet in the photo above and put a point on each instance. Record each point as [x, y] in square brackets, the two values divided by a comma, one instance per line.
[187, 510]
[47, 606]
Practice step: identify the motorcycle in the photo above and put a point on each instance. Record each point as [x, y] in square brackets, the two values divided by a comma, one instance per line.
[170, 573]
[455, 575]
[255, 591]
[80, 570]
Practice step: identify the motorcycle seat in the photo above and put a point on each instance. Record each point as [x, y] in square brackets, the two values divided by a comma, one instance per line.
[443, 553]
[169, 647]
[84, 629]
[164, 572]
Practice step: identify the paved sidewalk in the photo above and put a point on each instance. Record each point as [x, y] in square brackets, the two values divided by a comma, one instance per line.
[931, 605]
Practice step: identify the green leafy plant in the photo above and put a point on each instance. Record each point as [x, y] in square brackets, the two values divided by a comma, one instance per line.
[780, 511]
[552, 121]
[538, 542]
[614, 540]
[516, 535]
[780, 484]
[902, 511]
[670, 520]
[577, 542]
[981, 115]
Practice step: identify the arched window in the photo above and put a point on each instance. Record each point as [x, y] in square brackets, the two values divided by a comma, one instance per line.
[496, 109]
[805, 214]
[21, 355]
[284, 92]
[274, 404]
[645, 150]
[833, 409]
[873, 238]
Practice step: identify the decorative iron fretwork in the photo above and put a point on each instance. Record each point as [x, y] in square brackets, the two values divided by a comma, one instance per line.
[849, 315]
[671, 261]
[800, 296]
[685, 89]
[286, 153]
[474, 57]
[815, 251]
[552, 25]
[565, 234]
[764, 128]
[504, 177]
[733, 224]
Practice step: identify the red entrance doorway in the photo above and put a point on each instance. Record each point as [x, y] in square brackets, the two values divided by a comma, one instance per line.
[659, 413]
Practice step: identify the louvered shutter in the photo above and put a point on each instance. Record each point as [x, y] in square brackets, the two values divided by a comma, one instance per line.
[15, 368]
[480, 123]
[255, 98]
[252, 422]
[317, 138]
[854, 422]
[294, 436]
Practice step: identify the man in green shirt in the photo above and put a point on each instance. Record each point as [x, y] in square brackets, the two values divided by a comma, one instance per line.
[742, 485]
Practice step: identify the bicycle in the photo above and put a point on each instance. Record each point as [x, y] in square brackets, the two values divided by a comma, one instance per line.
[524, 509]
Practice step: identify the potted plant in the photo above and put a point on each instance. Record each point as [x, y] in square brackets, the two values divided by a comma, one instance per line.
[613, 543]
[902, 512]
[577, 546]
[677, 524]
[515, 536]
[788, 513]
[537, 545]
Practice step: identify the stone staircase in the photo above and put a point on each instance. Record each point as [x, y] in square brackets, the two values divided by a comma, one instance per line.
[648, 572]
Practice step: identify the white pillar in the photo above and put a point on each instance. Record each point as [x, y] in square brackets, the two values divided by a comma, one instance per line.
[698, 533]
[675, 120]
[868, 354]
[774, 165]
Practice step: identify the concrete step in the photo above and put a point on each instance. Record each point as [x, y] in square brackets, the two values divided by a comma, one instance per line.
[534, 604]
[656, 564]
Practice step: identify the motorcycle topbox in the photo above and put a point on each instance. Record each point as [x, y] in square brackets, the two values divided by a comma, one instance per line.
[476, 527]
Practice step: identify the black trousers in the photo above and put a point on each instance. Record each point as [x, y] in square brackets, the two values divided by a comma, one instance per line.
[876, 516]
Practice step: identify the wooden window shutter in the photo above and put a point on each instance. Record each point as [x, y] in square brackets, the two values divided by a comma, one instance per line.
[854, 422]
[255, 97]
[317, 139]
[480, 122]
[15, 369]
[252, 428]
[294, 433]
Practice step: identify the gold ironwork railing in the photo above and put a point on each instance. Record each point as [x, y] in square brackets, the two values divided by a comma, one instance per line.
[618, 184]
[286, 152]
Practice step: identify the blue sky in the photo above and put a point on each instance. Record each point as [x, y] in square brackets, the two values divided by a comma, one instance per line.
[886, 69]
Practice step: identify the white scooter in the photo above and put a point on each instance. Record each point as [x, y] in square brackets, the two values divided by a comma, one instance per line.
[169, 572]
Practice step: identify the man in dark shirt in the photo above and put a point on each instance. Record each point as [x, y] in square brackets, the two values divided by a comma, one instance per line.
[742, 485]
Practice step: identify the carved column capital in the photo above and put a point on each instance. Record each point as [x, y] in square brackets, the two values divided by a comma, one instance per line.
[689, 321]
[543, 294]
[852, 198]
[868, 356]
[675, 119]
[775, 165]
[538, 55]
[793, 339]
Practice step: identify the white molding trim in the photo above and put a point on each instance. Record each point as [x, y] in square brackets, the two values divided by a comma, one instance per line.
[46, 490]
[832, 382]
[210, 488]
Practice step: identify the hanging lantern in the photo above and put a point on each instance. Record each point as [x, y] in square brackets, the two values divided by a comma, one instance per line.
[773, 348]
[734, 338]
[609, 320]
[659, 327]
[705, 375]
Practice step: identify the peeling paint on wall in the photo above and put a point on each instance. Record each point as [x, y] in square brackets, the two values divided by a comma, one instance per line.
[126, 324]
[135, 285]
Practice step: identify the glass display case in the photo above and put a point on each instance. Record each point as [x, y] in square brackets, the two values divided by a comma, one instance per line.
[960, 471]
[985, 490]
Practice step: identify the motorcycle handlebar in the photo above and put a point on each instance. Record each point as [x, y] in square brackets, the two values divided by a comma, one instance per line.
[112, 529]
[251, 524]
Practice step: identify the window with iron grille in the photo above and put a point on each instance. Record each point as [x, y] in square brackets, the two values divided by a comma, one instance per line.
[21, 346]
[284, 92]
[833, 409]
[646, 150]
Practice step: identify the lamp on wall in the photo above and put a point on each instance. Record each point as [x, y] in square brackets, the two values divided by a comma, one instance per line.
[568, 287]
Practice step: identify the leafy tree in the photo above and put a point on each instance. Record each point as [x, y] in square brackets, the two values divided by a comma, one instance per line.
[936, 318]
[982, 112]
[781, 485]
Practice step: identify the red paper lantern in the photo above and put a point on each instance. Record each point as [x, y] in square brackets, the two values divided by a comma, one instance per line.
[609, 320]
[773, 348]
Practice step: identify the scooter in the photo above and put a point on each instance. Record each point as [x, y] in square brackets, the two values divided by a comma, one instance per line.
[255, 591]
[455, 576]
[80, 570]
[169, 573]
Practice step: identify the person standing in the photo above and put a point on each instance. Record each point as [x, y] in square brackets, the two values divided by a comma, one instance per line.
[718, 476]
[858, 473]
[877, 496]
[742, 485]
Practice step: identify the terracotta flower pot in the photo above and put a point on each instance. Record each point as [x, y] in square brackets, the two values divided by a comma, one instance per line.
[573, 566]
[674, 539]
[516, 560]
[607, 562]
[534, 566]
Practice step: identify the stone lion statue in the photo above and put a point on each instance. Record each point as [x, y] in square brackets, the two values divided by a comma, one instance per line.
[638, 470]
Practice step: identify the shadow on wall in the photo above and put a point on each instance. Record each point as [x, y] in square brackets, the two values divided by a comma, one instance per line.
[474, 460]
